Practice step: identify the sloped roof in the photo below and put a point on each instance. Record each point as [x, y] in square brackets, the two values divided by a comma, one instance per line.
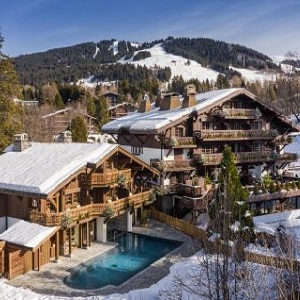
[25, 234]
[42, 167]
[152, 121]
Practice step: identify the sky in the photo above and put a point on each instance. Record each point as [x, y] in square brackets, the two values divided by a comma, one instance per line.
[269, 26]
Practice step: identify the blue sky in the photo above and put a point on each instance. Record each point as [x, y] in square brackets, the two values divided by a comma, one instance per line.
[269, 26]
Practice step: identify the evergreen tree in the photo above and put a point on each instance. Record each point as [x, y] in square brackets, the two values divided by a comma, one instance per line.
[101, 112]
[228, 213]
[79, 130]
[58, 102]
[10, 112]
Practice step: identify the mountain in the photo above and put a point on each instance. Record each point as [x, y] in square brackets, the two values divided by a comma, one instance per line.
[110, 59]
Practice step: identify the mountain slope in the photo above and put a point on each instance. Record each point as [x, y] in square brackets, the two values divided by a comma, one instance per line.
[190, 58]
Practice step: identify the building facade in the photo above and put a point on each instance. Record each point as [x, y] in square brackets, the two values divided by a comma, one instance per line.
[184, 137]
[57, 197]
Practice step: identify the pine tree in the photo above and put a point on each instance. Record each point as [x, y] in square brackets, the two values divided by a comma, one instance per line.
[101, 112]
[79, 130]
[228, 213]
[10, 112]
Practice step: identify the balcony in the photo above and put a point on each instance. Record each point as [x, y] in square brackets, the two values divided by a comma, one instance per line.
[173, 165]
[189, 190]
[280, 195]
[236, 113]
[87, 212]
[246, 157]
[105, 179]
[233, 135]
[180, 142]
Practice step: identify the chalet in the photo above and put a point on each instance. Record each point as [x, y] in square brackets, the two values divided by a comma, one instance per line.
[183, 137]
[53, 123]
[55, 197]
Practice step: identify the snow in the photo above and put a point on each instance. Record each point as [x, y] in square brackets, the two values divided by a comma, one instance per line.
[114, 47]
[27, 234]
[255, 75]
[177, 64]
[96, 52]
[43, 166]
[153, 120]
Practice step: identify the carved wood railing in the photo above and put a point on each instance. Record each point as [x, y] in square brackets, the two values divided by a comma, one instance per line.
[107, 178]
[226, 135]
[180, 142]
[283, 194]
[80, 214]
[246, 157]
[173, 165]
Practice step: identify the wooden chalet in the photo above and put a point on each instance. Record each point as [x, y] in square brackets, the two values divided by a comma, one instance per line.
[60, 196]
[184, 137]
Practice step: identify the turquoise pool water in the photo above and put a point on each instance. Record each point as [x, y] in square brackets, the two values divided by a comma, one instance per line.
[134, 253]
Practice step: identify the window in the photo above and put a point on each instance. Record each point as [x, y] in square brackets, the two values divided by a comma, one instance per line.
[208, 149]
[68, 199]
[257, 126]
[179, 131]
[257, 146]
[75, 197]
[137, 150]
[205, 125]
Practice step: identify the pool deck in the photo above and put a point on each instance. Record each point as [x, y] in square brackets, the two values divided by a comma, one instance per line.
[49, 280]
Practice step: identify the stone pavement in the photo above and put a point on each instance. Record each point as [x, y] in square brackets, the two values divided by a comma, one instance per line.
[49, 280]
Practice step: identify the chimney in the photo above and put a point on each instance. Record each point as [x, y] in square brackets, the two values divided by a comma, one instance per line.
[21, 142]
[64, 137]
[145, 104]
[189, 96]
[170, 101]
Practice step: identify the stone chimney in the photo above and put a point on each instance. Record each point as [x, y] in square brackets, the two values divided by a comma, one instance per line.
[189, 96]
[145, 104]
[21, 142]
[170, 101]
[64, 137]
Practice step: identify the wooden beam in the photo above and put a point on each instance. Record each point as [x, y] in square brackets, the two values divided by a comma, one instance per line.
[57, 246]
[70, 241]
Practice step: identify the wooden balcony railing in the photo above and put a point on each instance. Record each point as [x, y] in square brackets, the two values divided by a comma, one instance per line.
[180, 142]
[189, 190]
[283, 194]
[227, 135]
[246, 157]
[168, 166]
[108, 178]
[240, 113]
[79, 214]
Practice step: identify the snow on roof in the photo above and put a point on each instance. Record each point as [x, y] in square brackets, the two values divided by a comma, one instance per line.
[153, 120]
[27, 234]
[43, 166]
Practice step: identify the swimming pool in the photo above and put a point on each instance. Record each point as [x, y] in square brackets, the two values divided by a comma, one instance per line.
[134, 253]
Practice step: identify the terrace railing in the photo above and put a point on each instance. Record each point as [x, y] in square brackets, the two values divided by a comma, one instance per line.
[227, 135]
[181, 142]
[81, 214]
[246, 157]
[173, 165]
[107, 178]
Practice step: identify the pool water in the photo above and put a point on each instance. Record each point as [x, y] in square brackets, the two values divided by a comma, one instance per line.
[134, 253]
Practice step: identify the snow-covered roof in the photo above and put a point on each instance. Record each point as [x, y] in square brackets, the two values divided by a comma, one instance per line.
[27, 234]
[151, 121]
[43, 166]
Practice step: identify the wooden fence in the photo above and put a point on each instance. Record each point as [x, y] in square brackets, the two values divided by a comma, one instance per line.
[200, 234]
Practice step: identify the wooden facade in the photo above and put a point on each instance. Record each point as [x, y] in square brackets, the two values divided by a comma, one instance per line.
[114, 185]
[192, 143]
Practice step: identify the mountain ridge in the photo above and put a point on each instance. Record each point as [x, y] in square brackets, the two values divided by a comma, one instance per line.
[68, 64]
